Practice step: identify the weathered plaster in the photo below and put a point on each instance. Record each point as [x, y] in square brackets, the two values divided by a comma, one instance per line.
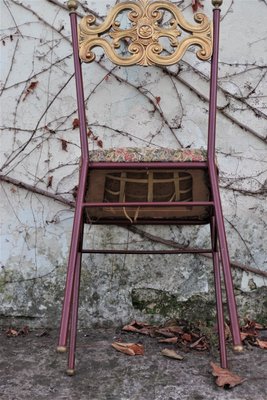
[122, 111]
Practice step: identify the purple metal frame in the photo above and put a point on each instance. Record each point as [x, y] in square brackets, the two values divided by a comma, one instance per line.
[219, 250]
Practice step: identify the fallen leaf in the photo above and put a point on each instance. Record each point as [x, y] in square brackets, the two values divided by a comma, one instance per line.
[187, 337]
[175, 329]
[132, 349]
[227, 331]
[258, 326]
[168, 340]
[165, 332]
[262, 343]
[171, 354]
[64, 144]
[30, 89]
[244, 335]
[75, 123]
[139, 327]
[24, 330]
[10, 332]
[225, 377]
[200, 344]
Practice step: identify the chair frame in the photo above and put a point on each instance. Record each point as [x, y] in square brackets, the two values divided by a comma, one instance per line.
[219, 248]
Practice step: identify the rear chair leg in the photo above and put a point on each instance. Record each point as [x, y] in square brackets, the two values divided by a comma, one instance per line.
[219, 308]
[218, 292]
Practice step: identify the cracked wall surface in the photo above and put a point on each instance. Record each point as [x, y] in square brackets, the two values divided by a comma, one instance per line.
[159, 107]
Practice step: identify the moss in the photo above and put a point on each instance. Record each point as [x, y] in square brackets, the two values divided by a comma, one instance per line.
[5, 278]
[153, 301]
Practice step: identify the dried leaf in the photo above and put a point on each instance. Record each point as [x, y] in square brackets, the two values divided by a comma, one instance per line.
[175, 329]
[165, 332]
[30, 89]
[64, 144]
[24, 330]
[75, 123]
[244, 335]
[171, 354]
[10, 332]
[200, 344]
[196, 5]
[187, 337]
[258, 326]
[168, 340]
[49, 181]
[225, 377]
[139, 327]
[262, 343]
[227, 331]
[132, 349]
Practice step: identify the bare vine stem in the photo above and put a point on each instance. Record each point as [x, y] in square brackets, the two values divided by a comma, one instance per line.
[133, 229]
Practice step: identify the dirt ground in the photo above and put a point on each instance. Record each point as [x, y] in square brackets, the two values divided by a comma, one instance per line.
[31, 369]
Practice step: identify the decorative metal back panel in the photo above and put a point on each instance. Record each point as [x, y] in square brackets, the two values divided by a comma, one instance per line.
[143, 39]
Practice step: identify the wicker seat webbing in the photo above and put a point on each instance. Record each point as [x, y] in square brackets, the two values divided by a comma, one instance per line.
[149, 186]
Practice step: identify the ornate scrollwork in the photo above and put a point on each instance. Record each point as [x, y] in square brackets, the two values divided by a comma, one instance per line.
[142, 38]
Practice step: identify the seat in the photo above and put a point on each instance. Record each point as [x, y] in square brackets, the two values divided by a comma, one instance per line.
[155, 186]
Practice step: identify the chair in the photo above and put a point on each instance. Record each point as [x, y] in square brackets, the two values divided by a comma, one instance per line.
[147, 186]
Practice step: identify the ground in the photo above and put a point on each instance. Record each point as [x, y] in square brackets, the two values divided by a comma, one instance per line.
[30, 368]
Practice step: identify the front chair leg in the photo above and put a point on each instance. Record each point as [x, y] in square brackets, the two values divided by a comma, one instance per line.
[219, 309]
[229, 287]
[75, 240]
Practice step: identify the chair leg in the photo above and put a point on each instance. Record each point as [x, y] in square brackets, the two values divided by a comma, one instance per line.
[74, 248]
[74, 316]
[218, 292]
[226, 268]
[219, 308]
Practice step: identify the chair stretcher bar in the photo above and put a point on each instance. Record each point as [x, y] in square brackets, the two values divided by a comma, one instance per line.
[151, 203]
[177, 251]
[150, 165]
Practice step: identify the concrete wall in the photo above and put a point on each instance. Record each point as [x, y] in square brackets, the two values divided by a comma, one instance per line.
[40, 148]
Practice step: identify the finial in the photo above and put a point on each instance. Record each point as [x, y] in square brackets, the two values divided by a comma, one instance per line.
[72, 5]
[217, 3]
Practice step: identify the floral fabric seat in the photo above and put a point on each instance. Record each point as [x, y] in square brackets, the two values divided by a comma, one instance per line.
[147, 154]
